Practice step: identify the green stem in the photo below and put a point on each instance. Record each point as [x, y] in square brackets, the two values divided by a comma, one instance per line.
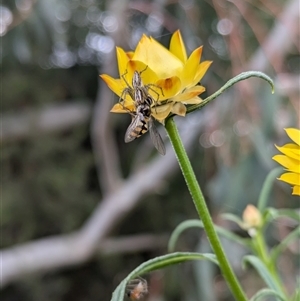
[231, 82]
[260, 249]
[202, 210]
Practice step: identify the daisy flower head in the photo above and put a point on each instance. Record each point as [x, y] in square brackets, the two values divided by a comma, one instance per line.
[290, 160]
[169, 76]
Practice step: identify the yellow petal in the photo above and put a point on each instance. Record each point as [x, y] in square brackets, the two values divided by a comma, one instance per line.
[192, 101]
[124, 107]
[295, 149]
[189, 94]
[123, 60]
[164, 63]
[287, 162]
[170, 87]
[290, 178]
[177, 46]
[296, 190]
[190, 68]
[148, 76]
[160, 113]
[130, 54]
[116, 85]
[294, 134]
[202, 68]
[290, 150]
[179, 109]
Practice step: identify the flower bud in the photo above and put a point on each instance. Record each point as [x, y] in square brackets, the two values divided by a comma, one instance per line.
[252, 217]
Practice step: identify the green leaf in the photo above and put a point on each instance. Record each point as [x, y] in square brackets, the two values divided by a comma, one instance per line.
[193, 223]
[265, 192]
[233, 218]
[279, 248]
[293, 214]
[266, 292]
[264, 273]
[272, 214]
[198, 224]
[296, 296]
[159, 263]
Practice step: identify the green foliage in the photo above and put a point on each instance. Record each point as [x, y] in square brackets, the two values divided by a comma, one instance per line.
[264, 273]
[263, 261]
[276, 251]
[296, 296]
[261, 294]
[41, 182]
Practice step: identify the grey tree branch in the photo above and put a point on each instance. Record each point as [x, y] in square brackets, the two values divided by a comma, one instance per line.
[48, 119]
[132, 244]
[287, 84]
[280, 39]
[66, 250]
[104, 144]
[15, 261]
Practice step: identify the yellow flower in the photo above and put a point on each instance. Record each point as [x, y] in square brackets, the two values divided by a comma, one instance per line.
[173, 77]
[290, 160]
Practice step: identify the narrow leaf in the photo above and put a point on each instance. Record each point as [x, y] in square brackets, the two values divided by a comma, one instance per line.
[283, 245]
[296, 296]
[266, 292]
[265, 192]
[273, 214]
[293, 214]
[233, 218]
[264, 273]
[159, 263]
[198, 224]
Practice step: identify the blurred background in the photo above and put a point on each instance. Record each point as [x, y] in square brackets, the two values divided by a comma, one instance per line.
[80, 208]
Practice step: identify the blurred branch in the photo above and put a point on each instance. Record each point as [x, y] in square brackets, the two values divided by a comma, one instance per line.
[65, 250]
[272, 51]
[103, 142]
[287, 84]
[156, 8]
[277, 44]
[19, 258]
[21, 16]
[50, 119]
[281, 38]
[132, 244]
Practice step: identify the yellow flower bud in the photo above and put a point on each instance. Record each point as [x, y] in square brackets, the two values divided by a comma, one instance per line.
[251, 217]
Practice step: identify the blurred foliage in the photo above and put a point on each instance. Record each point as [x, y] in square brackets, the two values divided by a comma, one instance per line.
[51, 52]
[39, 193]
